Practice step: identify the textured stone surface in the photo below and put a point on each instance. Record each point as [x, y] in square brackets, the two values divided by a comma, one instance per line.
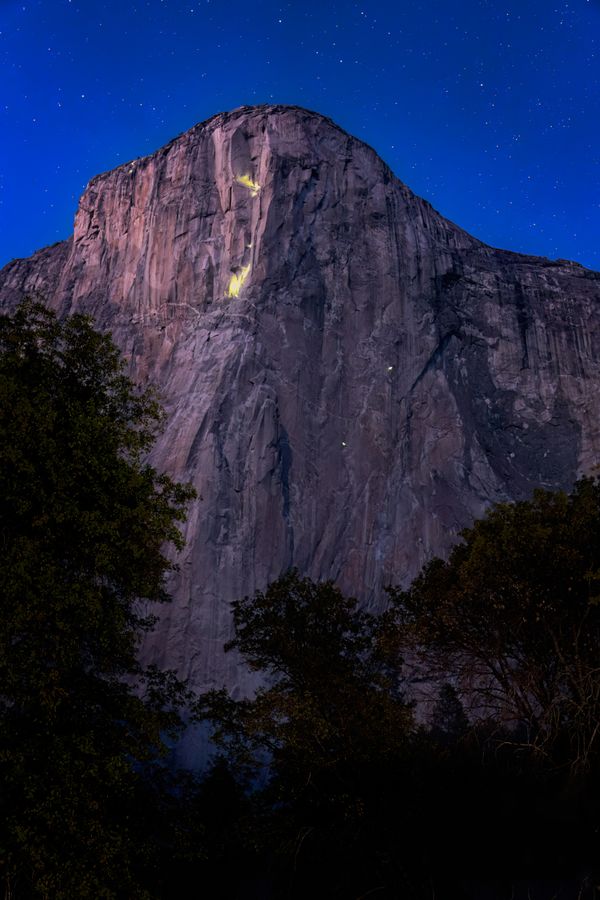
[379, 379]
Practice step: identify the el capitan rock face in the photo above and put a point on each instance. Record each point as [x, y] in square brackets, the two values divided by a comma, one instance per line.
[349, 378]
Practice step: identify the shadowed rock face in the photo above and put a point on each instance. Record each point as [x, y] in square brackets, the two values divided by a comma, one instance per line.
[349, 378]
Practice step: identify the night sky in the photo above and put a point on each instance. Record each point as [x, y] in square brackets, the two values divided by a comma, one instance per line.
[490, 110]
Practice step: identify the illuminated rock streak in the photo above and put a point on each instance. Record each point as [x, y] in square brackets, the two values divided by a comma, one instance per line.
[246, 181]
[236, 282]
[238, 278]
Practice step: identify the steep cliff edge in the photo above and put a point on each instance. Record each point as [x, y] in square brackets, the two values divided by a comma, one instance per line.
[349, 378]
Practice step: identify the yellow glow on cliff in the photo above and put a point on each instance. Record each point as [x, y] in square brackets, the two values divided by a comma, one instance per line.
[252, 186]
[236, 282]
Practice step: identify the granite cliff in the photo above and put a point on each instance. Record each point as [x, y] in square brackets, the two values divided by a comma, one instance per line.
[349, 378]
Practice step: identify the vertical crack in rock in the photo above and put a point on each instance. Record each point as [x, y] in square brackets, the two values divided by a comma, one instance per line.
[523, 321]
[284, 460]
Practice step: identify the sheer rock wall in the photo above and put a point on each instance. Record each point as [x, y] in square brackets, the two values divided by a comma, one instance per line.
[379, 379]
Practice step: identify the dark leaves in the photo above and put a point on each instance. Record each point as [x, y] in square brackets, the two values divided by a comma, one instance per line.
[84, 528]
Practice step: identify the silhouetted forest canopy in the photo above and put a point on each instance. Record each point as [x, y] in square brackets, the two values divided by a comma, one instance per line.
[447, 747]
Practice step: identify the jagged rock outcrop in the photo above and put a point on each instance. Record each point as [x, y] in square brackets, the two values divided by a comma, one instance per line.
[349, 378]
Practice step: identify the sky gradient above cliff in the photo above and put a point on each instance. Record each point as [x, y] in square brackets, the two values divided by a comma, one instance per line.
[490, 111]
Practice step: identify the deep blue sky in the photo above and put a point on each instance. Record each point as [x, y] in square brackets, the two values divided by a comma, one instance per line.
[490, 110]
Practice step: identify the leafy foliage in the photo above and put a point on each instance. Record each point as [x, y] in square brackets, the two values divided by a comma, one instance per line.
[330, 696]
[357, 799]
[83, 526]
[514, 616]
[333, 723]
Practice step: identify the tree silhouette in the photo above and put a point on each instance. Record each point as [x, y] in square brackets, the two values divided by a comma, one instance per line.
[84, 522]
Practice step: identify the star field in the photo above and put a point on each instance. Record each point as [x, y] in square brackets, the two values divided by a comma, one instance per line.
[491, 111]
